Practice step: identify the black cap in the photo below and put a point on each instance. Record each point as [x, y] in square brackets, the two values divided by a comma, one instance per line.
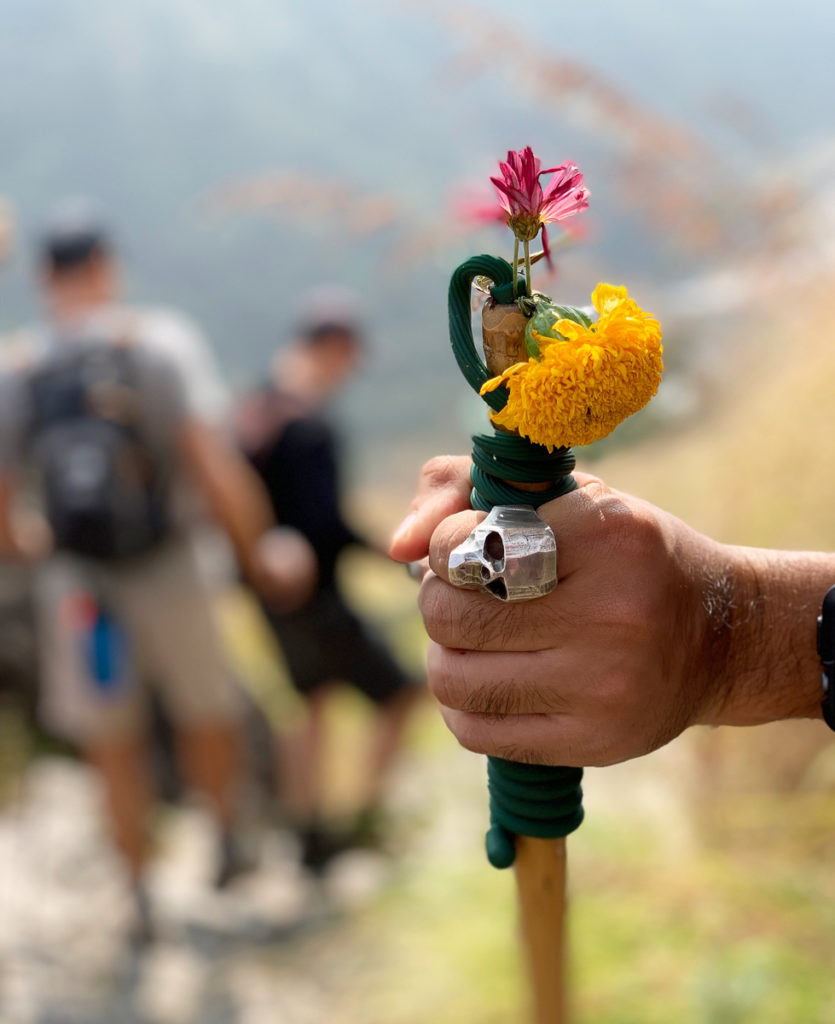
[74, 233]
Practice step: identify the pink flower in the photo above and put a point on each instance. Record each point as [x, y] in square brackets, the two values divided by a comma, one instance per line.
[526, 205]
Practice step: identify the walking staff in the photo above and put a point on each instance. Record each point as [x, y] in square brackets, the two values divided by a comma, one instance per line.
[553, 379]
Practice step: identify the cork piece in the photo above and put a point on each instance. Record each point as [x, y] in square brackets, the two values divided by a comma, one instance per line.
[503, 332]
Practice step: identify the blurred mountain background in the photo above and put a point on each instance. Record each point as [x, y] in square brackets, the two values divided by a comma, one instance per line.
[246, 153]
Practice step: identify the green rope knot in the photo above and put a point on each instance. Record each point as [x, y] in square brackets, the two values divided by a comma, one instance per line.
[530, 800]
[503, 457]
[543, 801]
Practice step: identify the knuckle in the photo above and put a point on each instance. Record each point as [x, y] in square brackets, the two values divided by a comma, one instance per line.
[632, 531]
[440, 471]
[435, 600]
[444, 679]
[596, 490]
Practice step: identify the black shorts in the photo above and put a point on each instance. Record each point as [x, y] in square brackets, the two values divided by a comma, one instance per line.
[325, 642]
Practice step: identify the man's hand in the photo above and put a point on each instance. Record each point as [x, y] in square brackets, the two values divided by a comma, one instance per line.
[652, 628]
[284, 570]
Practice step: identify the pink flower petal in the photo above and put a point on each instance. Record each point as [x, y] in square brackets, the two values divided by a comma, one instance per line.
[521, 194]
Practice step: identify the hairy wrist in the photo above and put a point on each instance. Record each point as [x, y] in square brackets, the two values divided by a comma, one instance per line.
[759, 611]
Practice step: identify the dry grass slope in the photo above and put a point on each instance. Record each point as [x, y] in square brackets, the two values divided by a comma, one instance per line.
[761, 468]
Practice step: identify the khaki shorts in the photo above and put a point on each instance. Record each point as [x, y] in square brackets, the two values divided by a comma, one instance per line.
[170, 643]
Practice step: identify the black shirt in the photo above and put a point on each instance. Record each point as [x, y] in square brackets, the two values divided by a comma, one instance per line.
[297, 458]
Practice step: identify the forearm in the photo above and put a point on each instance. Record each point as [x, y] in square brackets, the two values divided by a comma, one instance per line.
[761, 608]
[12, 544]
[247, 518]
[233, 492]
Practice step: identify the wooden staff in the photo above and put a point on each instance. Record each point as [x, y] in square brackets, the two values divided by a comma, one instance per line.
[540, 869]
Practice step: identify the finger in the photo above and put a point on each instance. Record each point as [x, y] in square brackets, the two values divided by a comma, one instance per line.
[584, 479]
[474, 620]
[579, 521]
[509, 684]
[533, 739]
[443, 489]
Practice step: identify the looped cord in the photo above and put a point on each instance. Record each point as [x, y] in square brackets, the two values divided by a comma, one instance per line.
[531, 800]
[501, 458]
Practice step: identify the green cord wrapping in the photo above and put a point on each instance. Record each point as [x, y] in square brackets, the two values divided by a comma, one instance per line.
[525, 799]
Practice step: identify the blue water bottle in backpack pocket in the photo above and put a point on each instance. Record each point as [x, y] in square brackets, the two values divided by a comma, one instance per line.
[104, 646]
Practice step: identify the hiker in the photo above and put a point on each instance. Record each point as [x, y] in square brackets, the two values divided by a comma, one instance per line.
[108, 417]
[285, 431]
[653, 627]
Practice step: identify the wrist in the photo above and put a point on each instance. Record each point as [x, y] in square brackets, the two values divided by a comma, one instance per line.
[761, 610]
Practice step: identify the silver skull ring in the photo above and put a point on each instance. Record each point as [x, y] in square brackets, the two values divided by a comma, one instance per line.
[512, 555]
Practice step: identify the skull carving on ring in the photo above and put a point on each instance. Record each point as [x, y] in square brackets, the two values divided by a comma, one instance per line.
[512, 555]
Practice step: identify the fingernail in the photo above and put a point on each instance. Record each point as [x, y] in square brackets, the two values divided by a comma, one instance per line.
[404, 527]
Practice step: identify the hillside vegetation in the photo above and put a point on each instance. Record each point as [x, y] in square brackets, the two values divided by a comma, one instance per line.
[758, 467]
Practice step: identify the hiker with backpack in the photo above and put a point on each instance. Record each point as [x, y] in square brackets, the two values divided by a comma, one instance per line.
[109, 418]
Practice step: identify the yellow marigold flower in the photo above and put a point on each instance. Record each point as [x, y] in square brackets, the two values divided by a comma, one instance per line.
[586, 380]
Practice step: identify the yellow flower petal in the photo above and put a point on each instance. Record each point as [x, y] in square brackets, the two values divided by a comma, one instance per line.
[503, 377]
[569, 329]
[606, 296]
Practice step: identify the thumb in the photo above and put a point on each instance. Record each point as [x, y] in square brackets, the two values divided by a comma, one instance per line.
[443, 489]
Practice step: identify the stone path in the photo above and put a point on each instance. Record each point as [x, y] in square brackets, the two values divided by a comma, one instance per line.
[221, 958]
[276, 948]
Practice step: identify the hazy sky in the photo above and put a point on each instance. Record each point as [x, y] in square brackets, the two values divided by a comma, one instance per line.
[148, 104]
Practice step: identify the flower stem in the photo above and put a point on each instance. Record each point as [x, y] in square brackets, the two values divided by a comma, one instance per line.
[515, 262]
[528, 264]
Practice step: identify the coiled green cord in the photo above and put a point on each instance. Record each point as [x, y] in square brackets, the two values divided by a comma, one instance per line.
[532, 800]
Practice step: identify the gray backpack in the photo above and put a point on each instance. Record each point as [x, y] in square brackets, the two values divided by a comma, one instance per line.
[104, 493]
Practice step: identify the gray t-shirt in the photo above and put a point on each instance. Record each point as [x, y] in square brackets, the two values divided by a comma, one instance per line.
[157, 344]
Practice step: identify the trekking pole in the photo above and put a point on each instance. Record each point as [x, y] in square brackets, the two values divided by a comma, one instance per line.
[528, 462]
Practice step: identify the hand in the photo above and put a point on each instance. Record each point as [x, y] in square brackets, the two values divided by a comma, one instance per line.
[652, 628]
[284, 569]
